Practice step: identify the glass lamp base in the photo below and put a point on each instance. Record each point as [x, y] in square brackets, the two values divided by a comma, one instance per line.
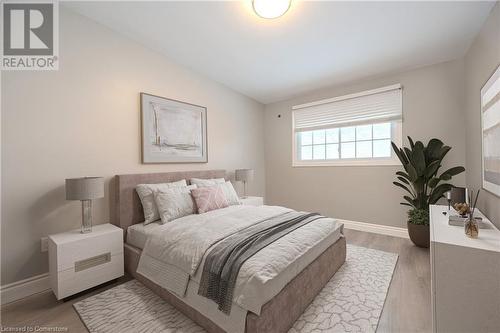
[86, 216]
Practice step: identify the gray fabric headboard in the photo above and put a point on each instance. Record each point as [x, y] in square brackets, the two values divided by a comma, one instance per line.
[128, 207]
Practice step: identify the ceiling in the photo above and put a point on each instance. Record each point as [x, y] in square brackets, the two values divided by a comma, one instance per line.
[316, 44]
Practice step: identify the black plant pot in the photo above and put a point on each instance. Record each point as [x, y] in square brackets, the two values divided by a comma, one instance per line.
[419, 234]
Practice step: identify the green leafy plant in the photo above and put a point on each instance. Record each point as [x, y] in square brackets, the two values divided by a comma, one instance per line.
[418, 216]
[420, 176]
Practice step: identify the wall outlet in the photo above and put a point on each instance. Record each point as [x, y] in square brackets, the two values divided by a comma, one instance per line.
[44, 244]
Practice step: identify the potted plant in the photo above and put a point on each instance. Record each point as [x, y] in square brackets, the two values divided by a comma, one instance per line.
[424, 186]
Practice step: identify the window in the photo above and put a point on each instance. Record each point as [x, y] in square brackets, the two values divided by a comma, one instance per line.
[363, 141]
[350, 130]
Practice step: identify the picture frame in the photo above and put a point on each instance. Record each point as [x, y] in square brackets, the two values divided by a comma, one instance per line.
[172, 131]
[490, 133]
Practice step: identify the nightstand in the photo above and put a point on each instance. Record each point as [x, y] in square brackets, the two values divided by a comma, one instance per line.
[80, 261]
[252, 201]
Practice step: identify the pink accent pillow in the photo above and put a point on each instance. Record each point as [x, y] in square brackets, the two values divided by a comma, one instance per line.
[209, 198]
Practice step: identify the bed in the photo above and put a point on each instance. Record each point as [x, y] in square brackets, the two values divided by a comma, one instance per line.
[292, 289]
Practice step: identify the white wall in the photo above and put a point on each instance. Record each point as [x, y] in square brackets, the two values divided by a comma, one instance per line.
[85, 120]
[432, 107]
[481, 61]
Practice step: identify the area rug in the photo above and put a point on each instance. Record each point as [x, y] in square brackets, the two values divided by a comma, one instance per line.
[352, 301]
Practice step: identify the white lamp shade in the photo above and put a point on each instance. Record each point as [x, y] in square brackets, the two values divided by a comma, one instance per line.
[244, 175]
[86, 188]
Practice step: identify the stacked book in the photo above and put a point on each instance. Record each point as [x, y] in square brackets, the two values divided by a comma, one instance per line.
[460, 221]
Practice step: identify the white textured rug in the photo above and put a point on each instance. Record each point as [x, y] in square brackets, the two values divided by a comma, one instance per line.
[352, 301]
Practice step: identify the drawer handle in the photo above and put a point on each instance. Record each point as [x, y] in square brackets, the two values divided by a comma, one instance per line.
[92, 262]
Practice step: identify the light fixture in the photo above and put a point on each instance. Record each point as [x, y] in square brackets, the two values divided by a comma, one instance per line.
[245, 176]
[85, 189]
[270, 9]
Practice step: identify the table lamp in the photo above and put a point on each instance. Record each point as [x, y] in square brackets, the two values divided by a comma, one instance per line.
[85, 189]
[245, 176]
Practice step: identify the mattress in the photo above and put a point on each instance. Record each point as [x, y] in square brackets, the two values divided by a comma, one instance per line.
[138, 234]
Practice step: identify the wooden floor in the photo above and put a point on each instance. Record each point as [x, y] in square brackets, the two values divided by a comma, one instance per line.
[407, 307]
[408, 304]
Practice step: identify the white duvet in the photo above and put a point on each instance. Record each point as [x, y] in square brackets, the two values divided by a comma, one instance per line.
[173, 257]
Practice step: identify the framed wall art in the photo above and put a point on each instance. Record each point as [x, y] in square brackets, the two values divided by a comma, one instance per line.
[173, 131]
[490, 132]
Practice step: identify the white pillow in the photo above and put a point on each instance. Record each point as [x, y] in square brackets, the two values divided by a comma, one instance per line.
[146, 194]
[175, 202]
[230, 194]
[206, 182]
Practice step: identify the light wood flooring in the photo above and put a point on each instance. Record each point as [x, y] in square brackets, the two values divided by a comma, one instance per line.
[407, 307]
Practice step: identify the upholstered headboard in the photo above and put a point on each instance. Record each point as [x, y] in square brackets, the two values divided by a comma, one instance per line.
[128, 207]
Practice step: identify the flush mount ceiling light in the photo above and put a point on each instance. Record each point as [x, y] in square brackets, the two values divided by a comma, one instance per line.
[270, 9]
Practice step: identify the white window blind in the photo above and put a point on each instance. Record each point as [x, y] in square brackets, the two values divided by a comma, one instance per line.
[378, 105]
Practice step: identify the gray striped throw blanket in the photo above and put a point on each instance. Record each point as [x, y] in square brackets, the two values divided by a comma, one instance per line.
[224, 260]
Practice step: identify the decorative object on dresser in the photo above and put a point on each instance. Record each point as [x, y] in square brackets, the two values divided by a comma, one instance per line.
[252, 201]
[490, 124]
[459, 216]
[465, 275]
[457, 195]
[462, 209]
[173, 131]
[85, 189]
[458, 221]
[448, 198]
[245, 176]
[81, 261]
[471, 226]
[421, 180]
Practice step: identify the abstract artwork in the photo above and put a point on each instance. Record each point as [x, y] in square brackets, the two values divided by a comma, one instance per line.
[173, 131]
[490, 121]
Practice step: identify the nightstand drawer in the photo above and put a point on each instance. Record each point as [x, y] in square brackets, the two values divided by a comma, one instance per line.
[70, 282]
[69, 253]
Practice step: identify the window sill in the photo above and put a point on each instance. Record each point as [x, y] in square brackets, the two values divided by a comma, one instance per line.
[342, 163]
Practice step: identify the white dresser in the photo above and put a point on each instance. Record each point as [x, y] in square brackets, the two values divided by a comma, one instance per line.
[80, 261]
[465, 276]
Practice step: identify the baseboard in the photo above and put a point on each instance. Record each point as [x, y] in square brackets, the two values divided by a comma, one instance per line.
[20, 289]
[376, 228]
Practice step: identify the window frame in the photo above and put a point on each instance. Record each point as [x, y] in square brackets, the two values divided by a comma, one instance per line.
[396, 137]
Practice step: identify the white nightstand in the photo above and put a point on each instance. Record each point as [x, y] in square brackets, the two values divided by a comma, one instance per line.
[80, 261]
[252, 201]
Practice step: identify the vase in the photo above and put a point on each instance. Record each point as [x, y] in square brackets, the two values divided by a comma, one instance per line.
[419, 234]
[471, 227]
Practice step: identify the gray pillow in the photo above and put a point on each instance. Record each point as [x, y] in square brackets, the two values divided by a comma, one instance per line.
[175, 202]
[146, 194]
[206, 182]
[230, 194]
